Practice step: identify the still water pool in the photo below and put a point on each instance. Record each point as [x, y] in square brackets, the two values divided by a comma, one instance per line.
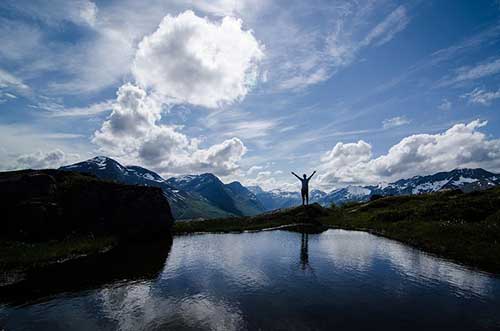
[343, 280]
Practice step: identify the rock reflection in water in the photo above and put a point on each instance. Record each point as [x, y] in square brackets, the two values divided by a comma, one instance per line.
[134, 262]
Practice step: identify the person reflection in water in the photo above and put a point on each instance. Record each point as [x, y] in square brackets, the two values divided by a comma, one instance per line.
[304, 251]
[304, 254]
[305, 187]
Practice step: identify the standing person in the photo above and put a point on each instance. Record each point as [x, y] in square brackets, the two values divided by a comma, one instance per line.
[305, 187]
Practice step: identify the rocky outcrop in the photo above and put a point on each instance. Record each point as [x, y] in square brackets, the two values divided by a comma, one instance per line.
[53, 204]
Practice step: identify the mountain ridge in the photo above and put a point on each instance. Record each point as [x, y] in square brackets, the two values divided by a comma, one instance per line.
[206, 196]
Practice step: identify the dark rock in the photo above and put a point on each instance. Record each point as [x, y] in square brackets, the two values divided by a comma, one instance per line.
[52, 204]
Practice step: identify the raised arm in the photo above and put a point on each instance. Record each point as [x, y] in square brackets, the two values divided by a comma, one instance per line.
[293, 173]
[311, 175]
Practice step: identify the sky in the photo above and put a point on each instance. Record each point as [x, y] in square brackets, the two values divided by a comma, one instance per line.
[362, 91]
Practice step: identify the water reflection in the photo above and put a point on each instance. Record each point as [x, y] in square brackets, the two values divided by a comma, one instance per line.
[136, 262]
[356, 251]
[264, 281]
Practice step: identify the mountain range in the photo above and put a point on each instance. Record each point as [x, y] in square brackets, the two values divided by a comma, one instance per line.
[190, 197]
[206, 196]
[466, 180]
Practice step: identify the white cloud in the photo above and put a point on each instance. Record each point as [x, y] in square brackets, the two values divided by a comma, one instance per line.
[253, 169]
[188, 60]
[463, 145]
[193, 60]
[445, 105]
[43, 160]
[337, 163]
[133, 133]
[29, 140]
[268, 180]
[482, 97]
[394, 122]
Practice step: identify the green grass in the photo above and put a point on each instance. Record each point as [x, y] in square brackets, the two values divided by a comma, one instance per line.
[19, 255]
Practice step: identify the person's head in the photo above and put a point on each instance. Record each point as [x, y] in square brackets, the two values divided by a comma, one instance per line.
[304, 175]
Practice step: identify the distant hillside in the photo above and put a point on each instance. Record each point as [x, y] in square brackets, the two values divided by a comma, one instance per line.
[233, 198]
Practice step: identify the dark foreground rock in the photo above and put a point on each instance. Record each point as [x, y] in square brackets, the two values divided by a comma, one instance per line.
[42, 205]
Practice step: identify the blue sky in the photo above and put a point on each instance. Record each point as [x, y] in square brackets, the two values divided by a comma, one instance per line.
[362, 91]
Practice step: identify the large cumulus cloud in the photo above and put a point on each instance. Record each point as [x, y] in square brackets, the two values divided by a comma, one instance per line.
[188, 60]
[132, 132]
[463, 145]
[195, 61]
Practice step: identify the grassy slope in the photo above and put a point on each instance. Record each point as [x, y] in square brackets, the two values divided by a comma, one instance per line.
[462, 227]
[198, 208]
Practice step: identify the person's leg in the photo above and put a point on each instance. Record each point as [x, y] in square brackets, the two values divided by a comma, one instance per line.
[307, 197]
[302, 193]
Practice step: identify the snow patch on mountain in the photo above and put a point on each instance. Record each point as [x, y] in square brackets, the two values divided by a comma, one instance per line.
[357, 190]
[463, 180]
[429, 187]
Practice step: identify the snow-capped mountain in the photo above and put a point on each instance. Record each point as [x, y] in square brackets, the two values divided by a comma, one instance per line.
[462, 179]
[346, 194]
[184, 205]
[459, 179]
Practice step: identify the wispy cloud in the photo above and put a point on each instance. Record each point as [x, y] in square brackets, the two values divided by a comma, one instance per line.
[339, 48]
[388, 28]
[439, 58]
[445, 105]
[472, 73]
[394, 122]
[9, 81]
[482, 97]
[250, 129]
[93, 109]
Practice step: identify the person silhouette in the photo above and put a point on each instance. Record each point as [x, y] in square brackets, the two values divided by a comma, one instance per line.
[305, 187]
